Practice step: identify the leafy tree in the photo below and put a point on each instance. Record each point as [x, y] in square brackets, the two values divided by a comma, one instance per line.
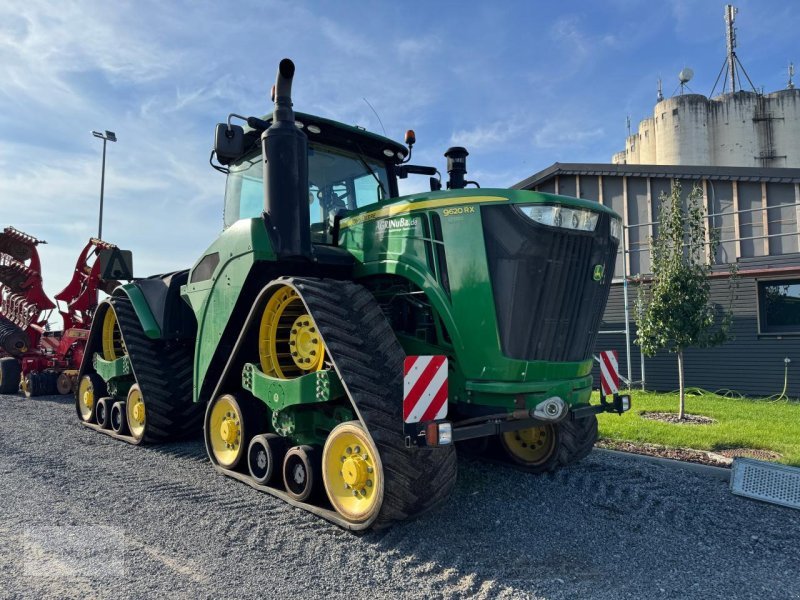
[673, 311]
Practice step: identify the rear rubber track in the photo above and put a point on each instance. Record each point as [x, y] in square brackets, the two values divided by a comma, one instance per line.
[163, 370]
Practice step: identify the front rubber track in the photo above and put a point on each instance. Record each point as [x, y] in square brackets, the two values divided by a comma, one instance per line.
[369, 360]
[163, 370]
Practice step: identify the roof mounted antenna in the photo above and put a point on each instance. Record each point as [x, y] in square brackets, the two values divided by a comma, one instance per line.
[732, 64]
[790, 85]
[684, 77]
[660, 95]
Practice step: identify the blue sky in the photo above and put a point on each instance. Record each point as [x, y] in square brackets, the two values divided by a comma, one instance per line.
[520, 84]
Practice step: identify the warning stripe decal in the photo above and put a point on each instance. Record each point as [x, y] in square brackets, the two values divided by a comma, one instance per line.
[609, 372]
[424, 388]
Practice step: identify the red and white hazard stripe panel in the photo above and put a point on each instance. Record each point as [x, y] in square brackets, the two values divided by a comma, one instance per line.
[424, 388]
[609, 372]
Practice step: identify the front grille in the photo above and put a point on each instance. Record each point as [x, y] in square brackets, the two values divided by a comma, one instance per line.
[548, 304]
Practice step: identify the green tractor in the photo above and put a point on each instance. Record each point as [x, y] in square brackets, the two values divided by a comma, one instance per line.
[337, 340]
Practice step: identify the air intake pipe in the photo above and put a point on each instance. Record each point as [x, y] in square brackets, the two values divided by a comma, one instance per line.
[285, 153]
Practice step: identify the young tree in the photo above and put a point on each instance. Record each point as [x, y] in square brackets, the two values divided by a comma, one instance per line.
[674, 311]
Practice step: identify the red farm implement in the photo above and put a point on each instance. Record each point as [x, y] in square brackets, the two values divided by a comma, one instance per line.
[31, 355]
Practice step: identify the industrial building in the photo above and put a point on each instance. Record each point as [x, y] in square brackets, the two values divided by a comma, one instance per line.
[744, 129]
[756, 212]
[742, 148]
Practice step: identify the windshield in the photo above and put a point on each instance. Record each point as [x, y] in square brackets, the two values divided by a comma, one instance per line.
[336, 180]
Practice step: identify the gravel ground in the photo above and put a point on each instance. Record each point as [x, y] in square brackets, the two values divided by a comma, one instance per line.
[82, 515]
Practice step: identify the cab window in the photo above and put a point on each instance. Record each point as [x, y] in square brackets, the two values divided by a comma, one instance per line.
[338, 181]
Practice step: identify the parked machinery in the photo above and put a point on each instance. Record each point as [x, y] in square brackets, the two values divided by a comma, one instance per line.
[288, 338]
[34, 357]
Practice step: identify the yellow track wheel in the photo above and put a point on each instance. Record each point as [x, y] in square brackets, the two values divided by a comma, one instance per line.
[352, 472]
[289, 344]
[531, 447]
[88, 396]
[113, 346]
[135, 411]
[225, 431]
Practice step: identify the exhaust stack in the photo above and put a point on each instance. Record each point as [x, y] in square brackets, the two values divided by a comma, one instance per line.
[285, 154]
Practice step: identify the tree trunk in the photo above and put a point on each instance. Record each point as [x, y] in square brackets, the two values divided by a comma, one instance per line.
[681, 386]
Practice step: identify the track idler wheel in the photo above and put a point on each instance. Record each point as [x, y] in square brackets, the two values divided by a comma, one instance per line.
[119, 418]
[10, 372]
[102, 412]
[263, 454]
[90, 389]
[352, 472]
[301, 472]
[135, 413]
[225, 431]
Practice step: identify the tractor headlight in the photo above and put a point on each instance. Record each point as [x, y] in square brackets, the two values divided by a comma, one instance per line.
[555, 215]
[616, 228]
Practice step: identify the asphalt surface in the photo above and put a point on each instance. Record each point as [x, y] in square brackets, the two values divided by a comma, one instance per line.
[83, 516]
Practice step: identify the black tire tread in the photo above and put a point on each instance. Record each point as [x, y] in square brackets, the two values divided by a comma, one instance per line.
[163, 370]
[369, 360]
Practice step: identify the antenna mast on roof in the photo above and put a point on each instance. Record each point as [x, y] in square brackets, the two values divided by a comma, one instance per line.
[660, 96]
[730, 38]
[732, 63]
[790, 85]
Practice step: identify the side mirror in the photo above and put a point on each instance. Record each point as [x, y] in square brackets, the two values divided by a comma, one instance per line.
[115, 264]
[228, 142]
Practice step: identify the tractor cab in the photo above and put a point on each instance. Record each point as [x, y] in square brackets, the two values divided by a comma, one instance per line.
[348, 168]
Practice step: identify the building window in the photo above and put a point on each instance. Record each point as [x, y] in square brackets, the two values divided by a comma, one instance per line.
[779, 306]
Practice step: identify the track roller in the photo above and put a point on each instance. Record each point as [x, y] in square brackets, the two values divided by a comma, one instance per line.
[119, 418]
[9, 375]
[263, 454]
[102, 412]
[301, 472]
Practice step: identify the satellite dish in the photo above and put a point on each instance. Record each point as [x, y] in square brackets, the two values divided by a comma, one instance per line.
[685, 76]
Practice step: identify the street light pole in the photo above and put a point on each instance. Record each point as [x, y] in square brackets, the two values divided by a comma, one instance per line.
[108, 136]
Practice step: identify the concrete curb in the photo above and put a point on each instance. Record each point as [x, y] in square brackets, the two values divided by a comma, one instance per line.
[720, 473]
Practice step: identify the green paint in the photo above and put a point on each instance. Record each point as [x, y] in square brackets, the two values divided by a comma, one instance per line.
[309, 424]
[278, 394]
[110, 369]
[214, 300]
[142, 309]
[391, 238]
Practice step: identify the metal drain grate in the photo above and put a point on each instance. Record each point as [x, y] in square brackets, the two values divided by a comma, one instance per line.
[765, 481]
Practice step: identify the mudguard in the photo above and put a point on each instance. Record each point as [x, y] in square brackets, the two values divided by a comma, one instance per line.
[159, 306]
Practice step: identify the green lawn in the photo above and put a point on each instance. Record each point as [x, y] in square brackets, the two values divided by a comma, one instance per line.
[741, 423]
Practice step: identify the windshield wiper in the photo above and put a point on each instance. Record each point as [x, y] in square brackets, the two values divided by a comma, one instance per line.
[384, 195]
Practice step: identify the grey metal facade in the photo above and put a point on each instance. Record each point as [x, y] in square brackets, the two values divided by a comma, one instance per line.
[756, 212]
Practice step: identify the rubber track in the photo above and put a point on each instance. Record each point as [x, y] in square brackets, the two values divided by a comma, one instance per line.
[369, 360]
[163, 371]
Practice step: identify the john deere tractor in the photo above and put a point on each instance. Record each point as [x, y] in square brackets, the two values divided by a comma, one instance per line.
[336, 340]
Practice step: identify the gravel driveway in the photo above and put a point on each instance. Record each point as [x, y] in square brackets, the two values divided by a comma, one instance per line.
[82, 515]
